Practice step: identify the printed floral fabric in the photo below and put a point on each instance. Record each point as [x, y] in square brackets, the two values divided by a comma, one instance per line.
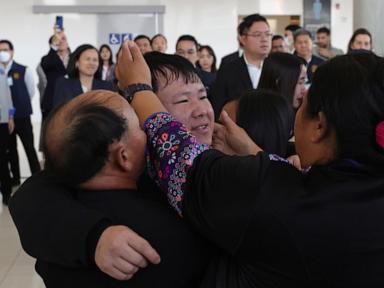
[171, 150]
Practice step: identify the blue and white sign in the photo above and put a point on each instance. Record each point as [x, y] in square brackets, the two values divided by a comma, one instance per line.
[126, 36]
[114, 38]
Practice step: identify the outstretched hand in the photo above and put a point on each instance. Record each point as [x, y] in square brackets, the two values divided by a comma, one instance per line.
[231, 139]
[131, 66]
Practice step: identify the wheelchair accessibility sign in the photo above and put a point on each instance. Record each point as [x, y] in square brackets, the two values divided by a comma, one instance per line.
[119, 38]
[114, 38]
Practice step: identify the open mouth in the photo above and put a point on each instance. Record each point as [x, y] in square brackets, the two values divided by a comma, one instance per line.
[201, 128]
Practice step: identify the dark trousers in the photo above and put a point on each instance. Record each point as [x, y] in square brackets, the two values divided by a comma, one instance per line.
[23, 128]
[5, 180]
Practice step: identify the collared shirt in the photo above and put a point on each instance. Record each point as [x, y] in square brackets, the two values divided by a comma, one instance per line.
[254, 72]
[5, 98]
[28, 78]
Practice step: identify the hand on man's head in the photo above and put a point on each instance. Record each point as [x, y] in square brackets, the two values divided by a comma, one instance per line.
[131, 67]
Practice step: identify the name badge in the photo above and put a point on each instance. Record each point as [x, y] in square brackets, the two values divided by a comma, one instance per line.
[10, 81]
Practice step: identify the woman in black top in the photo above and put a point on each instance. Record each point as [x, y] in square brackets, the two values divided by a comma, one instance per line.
[282, 228]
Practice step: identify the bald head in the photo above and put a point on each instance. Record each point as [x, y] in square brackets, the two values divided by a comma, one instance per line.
[77, 135]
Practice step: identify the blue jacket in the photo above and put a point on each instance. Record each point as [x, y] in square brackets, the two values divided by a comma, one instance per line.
[68, 88]
[20, 96]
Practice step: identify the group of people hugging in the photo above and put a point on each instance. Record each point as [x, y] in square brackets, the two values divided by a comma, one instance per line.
[145, 189]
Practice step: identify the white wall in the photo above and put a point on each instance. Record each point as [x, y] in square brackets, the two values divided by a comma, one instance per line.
[341, 23]
[369, 14]
[212, 22]
[30, 33]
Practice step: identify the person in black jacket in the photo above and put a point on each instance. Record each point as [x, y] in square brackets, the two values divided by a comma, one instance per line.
[303, 49]
[95, 143]
[243, 73]
[60, 231]
[284, 228]
[54, 65]
[84, 74]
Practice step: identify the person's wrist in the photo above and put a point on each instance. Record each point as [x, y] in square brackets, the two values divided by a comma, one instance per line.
[129, 91]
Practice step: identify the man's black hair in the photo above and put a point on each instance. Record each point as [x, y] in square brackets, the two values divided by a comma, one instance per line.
[169, 67]
[142, 36]
[187, 37]
[248, 21]
[292, 27]
[277, 37]
[89, 130]
[323, 30]
[301, 32]
[4, 41]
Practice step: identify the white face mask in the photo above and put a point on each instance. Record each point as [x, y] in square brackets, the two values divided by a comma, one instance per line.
[5, 56]
[287, 41]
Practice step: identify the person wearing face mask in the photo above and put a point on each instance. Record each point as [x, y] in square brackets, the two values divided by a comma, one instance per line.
[84, 74]
[22, 87]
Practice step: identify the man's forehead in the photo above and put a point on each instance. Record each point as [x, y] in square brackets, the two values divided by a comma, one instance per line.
[186, 43]
[4, 46]
[179, 85]
[259, 26]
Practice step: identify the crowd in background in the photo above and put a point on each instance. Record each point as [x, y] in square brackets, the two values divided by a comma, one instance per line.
[289, 196]
[64, 74]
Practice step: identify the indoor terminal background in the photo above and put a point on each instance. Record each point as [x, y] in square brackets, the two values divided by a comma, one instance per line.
[28, 24]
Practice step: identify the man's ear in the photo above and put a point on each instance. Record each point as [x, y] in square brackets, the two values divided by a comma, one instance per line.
[320, 128]
[241, 39]
[122, 159]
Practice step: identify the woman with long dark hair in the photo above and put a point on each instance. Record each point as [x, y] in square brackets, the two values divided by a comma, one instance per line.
[108, 66]
[267, 118]
[84, 74]
[285, 74]
[207, 59]
[360, 40]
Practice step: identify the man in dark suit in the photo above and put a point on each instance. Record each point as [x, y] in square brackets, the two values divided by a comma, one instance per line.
[303, 49]
[243, 73]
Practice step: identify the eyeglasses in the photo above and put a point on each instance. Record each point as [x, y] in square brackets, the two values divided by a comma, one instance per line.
[258, 35]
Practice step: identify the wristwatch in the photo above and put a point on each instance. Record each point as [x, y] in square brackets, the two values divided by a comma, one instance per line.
[129, 91]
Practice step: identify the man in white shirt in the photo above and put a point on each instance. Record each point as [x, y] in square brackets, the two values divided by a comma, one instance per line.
[242, 74]
[21, 84]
